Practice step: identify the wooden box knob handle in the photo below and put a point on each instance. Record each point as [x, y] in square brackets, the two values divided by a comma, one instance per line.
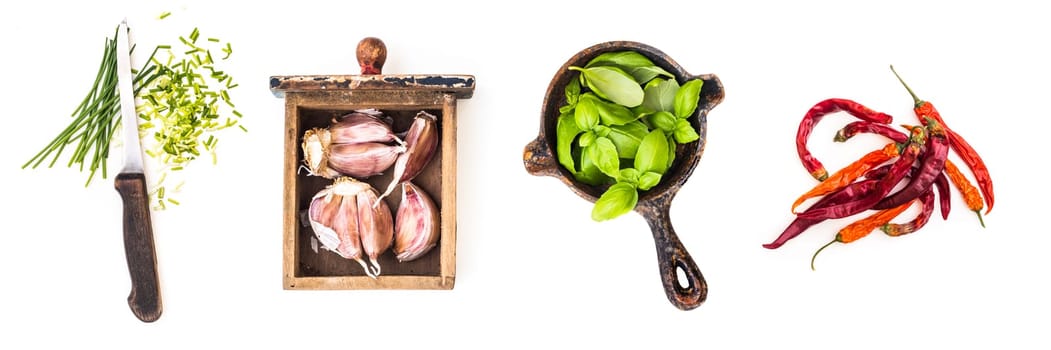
[372, 53]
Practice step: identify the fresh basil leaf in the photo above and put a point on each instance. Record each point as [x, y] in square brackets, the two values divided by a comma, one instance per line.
[627, 138]
[618, 200]
[629, 175]
[612, 84]
[620, 59]
[573, 91]
[653, 153]
[641, 111]
[589, 172]
[684, 132]
[662, 120]
[601, 130]
[648, 179]
[586, 114]
[586, 139]
[645, 74]
[672, 147]
[635, 64]
[652, 83]
[604, 155]
[660, 96]
[567, 109]
[687, 97]
[611, 113]
[566, 132]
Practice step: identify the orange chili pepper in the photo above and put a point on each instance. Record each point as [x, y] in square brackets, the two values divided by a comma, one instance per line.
[863, 227]
[959, 145]
[970, 193]
[849, 173]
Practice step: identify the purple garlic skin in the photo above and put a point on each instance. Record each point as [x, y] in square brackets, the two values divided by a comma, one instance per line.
[334, 216]
[376, 227]
[360, 127]
[327, 152]
[417, 227]
[362, 160]
[421, 144]
[368, 111]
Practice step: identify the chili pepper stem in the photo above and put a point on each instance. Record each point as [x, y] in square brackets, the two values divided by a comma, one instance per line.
[980, 219]
[812, 258]
[918, 101]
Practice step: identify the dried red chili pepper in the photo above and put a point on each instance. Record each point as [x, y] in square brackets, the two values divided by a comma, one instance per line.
[842, 195]
[941, 183]
[932, 164]
[970, 194]
[814, 115]
[878, 172]
[863, 227]
[927, 208]
[862, 126]
[898, 170]
[849, 173]
[957, 143]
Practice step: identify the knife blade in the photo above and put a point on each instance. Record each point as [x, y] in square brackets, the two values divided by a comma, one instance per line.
[145, 298]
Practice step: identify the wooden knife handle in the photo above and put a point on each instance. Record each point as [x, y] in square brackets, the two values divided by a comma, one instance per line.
[145, 297]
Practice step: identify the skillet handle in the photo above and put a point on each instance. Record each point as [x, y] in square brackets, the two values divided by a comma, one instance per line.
[671, 256]
[538, 158]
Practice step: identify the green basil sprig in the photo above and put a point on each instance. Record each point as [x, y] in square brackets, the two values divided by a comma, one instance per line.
[622, 122]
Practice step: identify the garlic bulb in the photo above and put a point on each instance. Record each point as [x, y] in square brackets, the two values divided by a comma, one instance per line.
[355, 144]
[347, 220]
[416, 228]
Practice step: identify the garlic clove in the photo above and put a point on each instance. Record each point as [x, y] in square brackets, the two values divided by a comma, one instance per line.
[333, 215]
[322, 214]
[375, 226]
[421, 144]
[416, 229]
[345, 223]
[362, 160]
[360, 127]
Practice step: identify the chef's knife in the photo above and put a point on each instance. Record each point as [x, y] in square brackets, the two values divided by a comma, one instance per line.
[145, 298]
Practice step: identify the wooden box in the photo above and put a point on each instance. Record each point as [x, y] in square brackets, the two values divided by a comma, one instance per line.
[312, 101]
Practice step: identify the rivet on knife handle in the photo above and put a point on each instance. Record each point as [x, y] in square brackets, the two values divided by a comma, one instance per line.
[145, 297]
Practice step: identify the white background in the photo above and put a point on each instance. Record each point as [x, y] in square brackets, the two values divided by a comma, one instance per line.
[533, 270]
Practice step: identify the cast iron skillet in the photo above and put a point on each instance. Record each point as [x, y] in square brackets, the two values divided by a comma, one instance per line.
[654, 204]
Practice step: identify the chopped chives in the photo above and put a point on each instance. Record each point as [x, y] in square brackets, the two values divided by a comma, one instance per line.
[177, 105]
[164, 15]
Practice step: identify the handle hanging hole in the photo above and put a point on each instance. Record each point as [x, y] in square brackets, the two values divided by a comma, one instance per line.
[683, 282]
